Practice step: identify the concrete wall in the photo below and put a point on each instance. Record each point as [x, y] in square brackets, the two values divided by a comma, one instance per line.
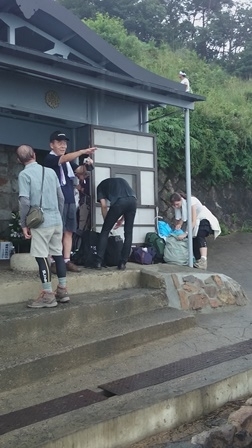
[30, 109]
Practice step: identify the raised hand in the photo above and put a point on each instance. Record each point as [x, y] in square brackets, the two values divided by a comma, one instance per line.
[89, 150]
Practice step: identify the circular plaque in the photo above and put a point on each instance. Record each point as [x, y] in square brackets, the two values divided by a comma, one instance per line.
[52, 99]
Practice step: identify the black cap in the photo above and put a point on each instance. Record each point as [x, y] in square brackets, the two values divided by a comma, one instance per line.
[58, 135]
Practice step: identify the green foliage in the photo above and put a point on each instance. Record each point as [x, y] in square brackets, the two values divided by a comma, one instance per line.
[221, 127]
[244, 63]
[247, 227]
[81, 8]
[113, 31]
[224, 229]
[15, 229]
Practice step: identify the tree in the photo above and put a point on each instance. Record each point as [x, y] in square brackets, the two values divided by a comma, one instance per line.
[215, 29]
[81, 8]
[244, 63]
[113, 31]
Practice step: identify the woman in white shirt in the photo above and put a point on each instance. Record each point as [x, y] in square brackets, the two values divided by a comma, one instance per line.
[204, 223]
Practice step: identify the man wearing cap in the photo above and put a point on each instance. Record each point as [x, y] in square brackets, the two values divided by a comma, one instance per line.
[63, 165]
[184, 80]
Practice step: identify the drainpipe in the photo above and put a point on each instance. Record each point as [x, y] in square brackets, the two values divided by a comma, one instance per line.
[188, 185]
[144, 118]
[95, 115]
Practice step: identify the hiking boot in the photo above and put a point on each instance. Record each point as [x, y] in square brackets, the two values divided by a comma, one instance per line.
[53, 268]
[70, 266]
[45, 300]
[61, 295]
[200, 264]
[121, 266]
[98, 265]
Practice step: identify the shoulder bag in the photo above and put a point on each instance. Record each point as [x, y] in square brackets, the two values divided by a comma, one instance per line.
[35, 216]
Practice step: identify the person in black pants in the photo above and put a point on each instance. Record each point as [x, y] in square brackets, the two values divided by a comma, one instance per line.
[122, 209]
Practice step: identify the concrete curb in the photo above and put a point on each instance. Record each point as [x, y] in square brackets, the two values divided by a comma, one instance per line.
[123, 420]
[21, 290]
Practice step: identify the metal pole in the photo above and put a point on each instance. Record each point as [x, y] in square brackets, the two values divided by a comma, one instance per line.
[188, 185]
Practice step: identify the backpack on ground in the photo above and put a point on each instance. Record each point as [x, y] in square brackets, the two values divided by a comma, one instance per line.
[86, 254]
[176, 251]
[113, 251]
[142, 255]
[153, 240]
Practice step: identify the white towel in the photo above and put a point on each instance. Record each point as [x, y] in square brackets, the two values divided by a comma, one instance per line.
[213, 221]
[70, 172]
[181, 213]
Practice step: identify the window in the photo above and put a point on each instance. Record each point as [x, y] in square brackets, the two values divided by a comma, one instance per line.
[131, 175]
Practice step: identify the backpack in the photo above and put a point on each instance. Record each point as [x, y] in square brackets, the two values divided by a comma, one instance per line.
[86, 254]
[142, 255]
[153, 240]
[113, 251]
[176, 251]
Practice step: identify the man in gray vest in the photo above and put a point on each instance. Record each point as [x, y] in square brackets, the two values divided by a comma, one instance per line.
[47, 238]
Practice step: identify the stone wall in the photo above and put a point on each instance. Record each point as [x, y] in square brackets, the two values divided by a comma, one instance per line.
[9, 169]
[230, 203]
[203, 291]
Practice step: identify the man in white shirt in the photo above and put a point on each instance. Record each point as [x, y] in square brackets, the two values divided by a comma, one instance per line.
[184, 80]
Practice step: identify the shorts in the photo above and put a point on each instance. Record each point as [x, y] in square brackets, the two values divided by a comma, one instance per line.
[69, 218]
[204, 228]
[45, 241]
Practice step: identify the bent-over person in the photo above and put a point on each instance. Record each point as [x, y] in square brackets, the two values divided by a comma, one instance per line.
[122, 210]
[204, 223]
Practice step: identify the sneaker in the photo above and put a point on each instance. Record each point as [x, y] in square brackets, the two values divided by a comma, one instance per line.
[200, 264]
[61, 295]
[70, 266]
[45, 300]
[53, 268]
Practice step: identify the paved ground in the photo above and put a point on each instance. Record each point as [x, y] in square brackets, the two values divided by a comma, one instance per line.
[232, 255]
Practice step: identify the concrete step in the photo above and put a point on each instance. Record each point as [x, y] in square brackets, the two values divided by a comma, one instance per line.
[66, 337]
[21, 324]
[119, 421]
[20, 286]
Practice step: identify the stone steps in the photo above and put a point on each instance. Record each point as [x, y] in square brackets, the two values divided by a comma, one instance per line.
[119, 421]
[20, 286]
[39, 343]
[17, 322]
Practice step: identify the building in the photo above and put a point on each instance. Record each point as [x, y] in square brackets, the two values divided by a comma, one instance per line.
[56, 73]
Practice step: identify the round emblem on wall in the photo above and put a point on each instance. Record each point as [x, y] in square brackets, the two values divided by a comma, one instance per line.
[52, 99]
